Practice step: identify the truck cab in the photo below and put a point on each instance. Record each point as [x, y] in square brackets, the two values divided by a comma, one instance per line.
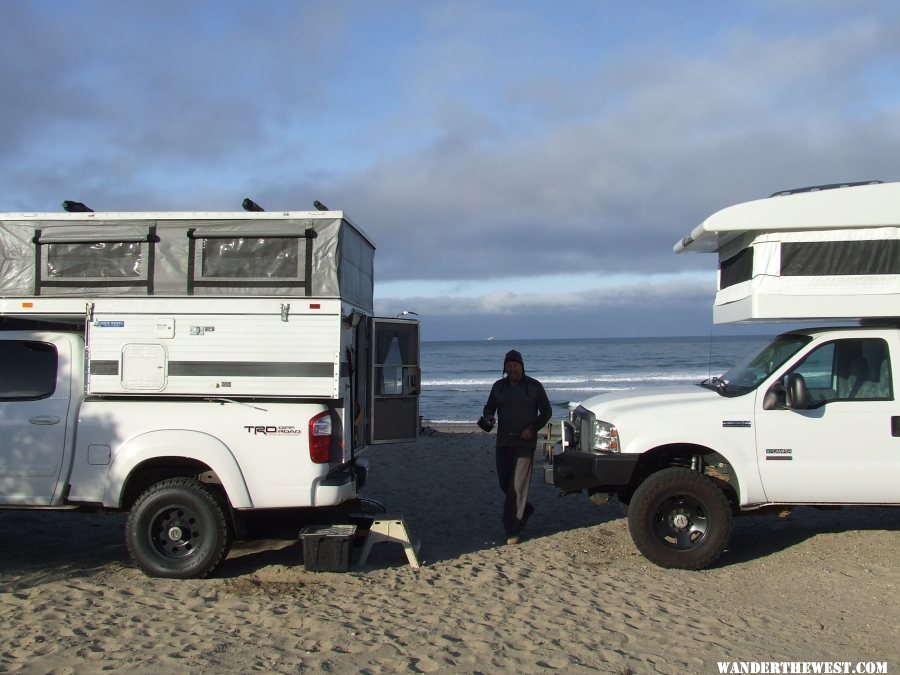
[37, 427]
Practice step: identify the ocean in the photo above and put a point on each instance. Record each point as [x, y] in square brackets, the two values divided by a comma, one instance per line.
[457, 376]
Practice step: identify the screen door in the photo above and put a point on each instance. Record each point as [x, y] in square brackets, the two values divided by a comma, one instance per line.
[395, 378]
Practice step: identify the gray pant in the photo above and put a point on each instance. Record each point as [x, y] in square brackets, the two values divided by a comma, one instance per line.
[514, 467]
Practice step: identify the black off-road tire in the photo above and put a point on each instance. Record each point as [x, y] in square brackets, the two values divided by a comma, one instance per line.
[177, 528]
[679, 518]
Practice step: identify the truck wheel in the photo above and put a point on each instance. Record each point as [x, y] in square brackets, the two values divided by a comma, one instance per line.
[177, 528]
[679, 518]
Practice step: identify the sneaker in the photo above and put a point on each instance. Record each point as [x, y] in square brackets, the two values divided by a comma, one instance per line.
[513, 539]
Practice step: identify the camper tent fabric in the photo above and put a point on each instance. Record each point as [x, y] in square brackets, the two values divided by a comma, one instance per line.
[323, 257]
[824, 274]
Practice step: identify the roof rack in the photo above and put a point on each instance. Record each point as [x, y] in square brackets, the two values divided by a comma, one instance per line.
[892, 321]
[817, 188]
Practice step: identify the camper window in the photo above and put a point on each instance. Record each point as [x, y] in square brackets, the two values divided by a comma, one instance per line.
[248, 258]
[98, 260]
[736, 269]
[837, 258]
[223, 257]
[94, 256]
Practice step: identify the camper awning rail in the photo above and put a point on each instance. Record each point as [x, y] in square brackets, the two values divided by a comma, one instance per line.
[857, 206]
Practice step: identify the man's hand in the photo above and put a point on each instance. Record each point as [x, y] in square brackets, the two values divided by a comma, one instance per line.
[527, 434]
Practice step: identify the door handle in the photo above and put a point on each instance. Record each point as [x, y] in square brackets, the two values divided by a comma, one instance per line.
[44, 420]
[414, 379]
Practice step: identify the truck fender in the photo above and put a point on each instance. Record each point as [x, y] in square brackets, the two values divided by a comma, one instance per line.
[739, 472]
[739, 456]
[180, 443]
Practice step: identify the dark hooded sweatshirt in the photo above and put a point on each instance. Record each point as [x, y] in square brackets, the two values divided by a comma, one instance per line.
[518, 407]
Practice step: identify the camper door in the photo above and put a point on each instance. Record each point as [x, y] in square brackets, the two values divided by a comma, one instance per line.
[395, 377]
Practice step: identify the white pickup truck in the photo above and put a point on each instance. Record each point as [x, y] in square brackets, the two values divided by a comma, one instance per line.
[184, 469]
[191, 368]
[812, 419]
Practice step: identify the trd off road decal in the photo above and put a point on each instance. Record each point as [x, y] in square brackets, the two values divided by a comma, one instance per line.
[273, 431]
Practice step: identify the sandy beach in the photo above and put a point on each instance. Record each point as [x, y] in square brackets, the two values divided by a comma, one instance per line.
[574, 596]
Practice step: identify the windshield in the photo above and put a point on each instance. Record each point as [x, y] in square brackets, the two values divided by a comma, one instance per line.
[747, 375]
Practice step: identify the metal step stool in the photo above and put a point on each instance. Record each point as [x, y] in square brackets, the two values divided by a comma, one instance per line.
[391, 529]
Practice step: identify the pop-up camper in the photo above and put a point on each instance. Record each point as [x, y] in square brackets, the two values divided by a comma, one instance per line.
[205, 364]
[826, 253]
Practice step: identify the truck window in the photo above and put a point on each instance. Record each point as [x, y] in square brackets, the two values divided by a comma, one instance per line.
[848, 370]
[28, 370]
[749, 374]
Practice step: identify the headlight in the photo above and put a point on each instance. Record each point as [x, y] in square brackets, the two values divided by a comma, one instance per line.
[605, 437]
[594, 435]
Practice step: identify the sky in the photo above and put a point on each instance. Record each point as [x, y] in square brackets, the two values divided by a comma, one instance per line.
[523, 167]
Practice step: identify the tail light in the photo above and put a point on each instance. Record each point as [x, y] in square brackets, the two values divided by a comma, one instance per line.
[320, 438]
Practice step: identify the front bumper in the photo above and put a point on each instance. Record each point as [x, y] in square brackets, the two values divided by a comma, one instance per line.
[574, 471]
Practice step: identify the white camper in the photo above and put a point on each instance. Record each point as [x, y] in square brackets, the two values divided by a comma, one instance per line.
[193, 367]
[826, 253]
[811, 419]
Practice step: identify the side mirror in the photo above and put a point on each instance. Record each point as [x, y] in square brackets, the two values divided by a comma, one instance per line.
[796, 394]
[774, 398]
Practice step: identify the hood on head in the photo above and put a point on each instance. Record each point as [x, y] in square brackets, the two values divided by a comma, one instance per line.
[514, 356]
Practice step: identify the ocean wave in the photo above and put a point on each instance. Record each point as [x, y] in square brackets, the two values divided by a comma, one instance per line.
[456, 378]
[461, 384]
[428, 420]
[457, 383]
[594, 390]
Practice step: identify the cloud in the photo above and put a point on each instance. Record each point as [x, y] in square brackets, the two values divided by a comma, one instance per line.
[173, 106]
[642, 294]
[651, 308]
[687, 135]
[471, 140]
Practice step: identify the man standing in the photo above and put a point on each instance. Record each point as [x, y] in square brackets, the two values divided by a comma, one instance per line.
[524, 409]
